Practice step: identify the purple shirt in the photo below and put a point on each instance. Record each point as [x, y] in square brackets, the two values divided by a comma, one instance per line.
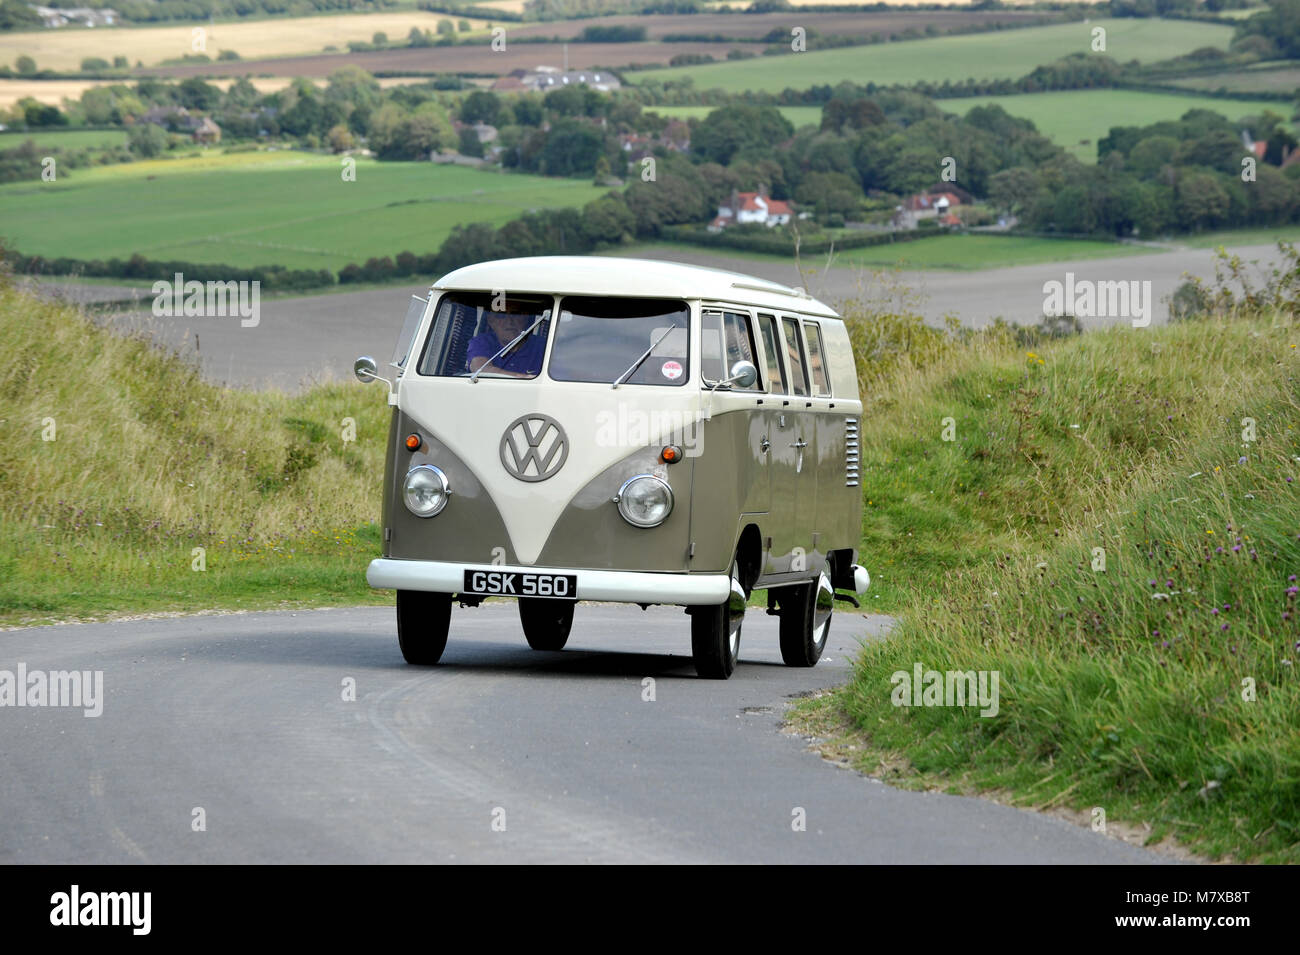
[525, 359]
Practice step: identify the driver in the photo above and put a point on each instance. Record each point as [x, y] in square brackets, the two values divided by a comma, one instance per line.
[522, 361]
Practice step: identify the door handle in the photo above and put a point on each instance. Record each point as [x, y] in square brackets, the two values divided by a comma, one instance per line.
[764, 444]
[800, 444]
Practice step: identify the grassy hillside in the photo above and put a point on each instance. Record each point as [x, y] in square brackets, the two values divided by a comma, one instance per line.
[294, 209]
[1006, 54]
[148, 462]
[1076, 119]
[1105, 533]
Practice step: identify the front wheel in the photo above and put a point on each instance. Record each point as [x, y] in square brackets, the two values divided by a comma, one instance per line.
[546, 622]
[423, 620]
[715, 632]
[805, 613]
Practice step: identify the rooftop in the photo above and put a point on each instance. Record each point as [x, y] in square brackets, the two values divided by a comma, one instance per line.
[633, 278]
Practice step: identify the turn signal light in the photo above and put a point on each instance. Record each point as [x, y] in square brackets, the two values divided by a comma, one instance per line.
[670, 454]
[413, 442]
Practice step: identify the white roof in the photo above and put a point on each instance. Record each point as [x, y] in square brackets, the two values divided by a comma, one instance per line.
[633, 278]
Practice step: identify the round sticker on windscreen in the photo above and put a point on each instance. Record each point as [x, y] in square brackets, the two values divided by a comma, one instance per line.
[671, 369]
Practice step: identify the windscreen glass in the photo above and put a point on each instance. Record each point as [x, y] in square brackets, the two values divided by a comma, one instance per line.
[492, 334]
[635, 341]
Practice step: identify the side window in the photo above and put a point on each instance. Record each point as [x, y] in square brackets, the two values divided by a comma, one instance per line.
[794, 355]
[775, 372]
[817, 359]
[727, 339]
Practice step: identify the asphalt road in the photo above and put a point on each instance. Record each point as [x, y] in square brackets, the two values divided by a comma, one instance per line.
[243, 716]
[309, 339]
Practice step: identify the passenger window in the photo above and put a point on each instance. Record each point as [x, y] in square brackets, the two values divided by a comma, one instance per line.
[727, 340]
[795, 356]
[817, 359]
[776, 383]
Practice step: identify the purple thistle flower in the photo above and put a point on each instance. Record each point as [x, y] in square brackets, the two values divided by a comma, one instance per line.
[1214, 611]
[1224, 627]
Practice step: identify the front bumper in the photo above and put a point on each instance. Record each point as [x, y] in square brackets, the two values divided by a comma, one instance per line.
[618, 586]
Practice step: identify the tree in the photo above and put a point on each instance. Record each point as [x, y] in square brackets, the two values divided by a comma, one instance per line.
[14, 14]
[528, 111]
[469, 142]
[607, 220]
[480, 106]
[1013, 190]
[737, 128]
[146, 140]
[446, 28]
[380, 39]
[25, 65]
[572, 149]
[340, 138]
[38, 114]
[419, 38]
[830, 193]
[1201, 201]
[196, 94]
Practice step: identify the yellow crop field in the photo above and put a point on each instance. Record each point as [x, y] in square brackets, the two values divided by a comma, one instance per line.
[64, 49]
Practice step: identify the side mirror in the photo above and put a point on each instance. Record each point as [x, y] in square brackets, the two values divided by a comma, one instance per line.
[744, 374]
[365, 368]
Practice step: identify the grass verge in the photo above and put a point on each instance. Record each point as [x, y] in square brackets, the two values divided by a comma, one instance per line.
[129, 484]
[1113, 528]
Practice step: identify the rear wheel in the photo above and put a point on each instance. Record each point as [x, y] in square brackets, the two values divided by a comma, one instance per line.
[546, 622]
[805, 614]
[423, 620]
[715, 632]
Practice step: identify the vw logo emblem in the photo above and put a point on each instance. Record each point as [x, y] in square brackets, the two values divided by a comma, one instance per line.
[534, 447]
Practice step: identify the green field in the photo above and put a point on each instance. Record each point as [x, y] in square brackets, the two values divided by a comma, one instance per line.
[1273, 77]
[1007, 54]
[975, 251]
[65, 139]
[247, 209]
[797, 115]
[1076, 119]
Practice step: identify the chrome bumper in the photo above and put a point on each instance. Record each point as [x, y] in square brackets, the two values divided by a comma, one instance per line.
[619, 586]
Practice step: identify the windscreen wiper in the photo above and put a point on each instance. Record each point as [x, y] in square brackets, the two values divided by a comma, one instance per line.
[637, 364]
[517, 339]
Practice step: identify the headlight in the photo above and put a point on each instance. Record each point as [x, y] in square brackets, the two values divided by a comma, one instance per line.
[645, 500]
[425, 490]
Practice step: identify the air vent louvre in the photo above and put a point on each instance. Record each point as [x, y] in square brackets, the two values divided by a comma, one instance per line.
[851, 458]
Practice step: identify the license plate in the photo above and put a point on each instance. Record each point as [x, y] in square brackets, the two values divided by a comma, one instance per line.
[517, 583]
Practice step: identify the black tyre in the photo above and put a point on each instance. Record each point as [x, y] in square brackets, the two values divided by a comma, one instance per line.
[805, 615]
[715, 633]
[423, 620]
[546, 622]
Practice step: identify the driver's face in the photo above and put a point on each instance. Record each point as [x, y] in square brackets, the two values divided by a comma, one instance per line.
[506, 327]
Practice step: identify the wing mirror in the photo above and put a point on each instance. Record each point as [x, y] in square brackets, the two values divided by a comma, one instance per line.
[367, 371]
[743, 373]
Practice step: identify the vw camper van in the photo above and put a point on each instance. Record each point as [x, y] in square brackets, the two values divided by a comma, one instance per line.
[570, 429]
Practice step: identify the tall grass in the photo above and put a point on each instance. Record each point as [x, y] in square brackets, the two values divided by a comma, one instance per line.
[1110, 533]
[117, 460]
